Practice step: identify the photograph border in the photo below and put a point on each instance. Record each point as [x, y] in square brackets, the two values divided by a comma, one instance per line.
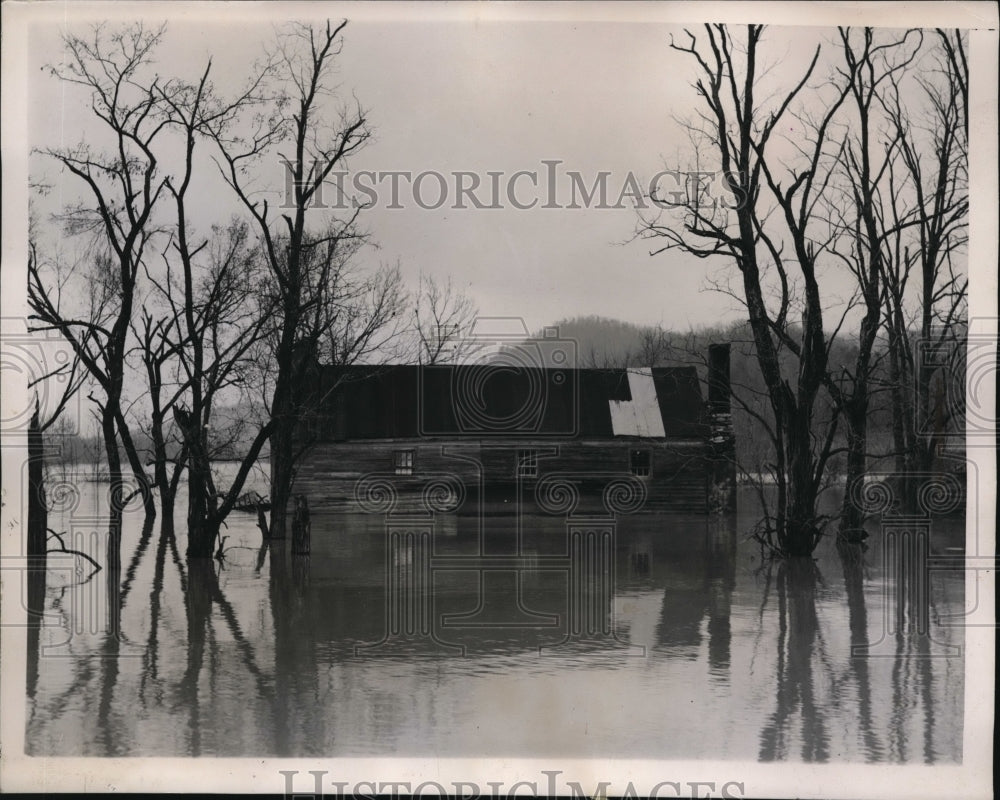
[972, 778]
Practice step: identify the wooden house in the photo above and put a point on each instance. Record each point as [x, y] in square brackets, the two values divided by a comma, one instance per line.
[505, 431]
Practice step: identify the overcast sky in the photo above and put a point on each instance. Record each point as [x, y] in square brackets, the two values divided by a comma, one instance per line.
[485, 96]
[480, 89]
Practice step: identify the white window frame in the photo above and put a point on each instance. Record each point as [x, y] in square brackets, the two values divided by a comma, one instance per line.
[640, 471]
[527, 462]
[404, 461]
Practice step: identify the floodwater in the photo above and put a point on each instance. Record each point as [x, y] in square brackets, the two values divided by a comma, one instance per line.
[647, 637]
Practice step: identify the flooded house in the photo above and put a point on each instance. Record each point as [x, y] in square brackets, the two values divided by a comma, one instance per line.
[505, 436]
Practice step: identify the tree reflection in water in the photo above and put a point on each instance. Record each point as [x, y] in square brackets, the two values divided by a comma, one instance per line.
[798, 628]
[297, 695]
[852, 560]
[911, 661]
[720, 580]
[903, 657]
[258, 655]
[197, 610]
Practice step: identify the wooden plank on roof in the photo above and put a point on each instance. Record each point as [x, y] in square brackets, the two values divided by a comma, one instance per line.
[639, 416]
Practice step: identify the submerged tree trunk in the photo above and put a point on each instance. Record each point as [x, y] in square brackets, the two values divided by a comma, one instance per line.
[852, 515]
[166, 484]
[856, 406]
[108, 428]
[897, 389]
[800, 535]
[167, 503]
[281, 475]
[207, 508]
[202, 530]
[37, 547]
[38, 513]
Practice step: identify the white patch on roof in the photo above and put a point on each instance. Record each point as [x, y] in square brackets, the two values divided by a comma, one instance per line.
[639, 416]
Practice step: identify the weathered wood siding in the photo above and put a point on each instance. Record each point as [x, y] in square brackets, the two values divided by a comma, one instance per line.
[679, 470]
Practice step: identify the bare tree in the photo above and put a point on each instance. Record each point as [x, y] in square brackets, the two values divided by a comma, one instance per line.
[925, 274]
[655, 346]
[321, 140]
[856, 199]
[214, 316]
[351, 315]
[122, 185]
[443, 319]
[838, 193]
[736, 127]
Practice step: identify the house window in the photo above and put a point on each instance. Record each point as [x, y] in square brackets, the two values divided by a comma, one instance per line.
[638, 463]
[527, 463]
[402, 460]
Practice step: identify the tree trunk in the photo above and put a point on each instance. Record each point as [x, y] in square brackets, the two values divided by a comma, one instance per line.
[167, 502]
[135, 463]
[800, 516]
[37, 546]
[201, 537]
[851, 514]
[202, 529]
[281, 476]
[795, 517]
[38, 513]
[109, 430]
[897, 388]
[165, 488]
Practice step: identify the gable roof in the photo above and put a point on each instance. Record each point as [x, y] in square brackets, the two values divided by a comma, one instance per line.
[483, 400]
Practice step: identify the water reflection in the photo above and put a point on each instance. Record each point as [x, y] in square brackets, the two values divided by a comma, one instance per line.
[852, 559]
[150, 686]
[35, 610]
[682, 646]
[197, 610]
[798, 629]
[720, 580]
[297, 698]
[698, 575]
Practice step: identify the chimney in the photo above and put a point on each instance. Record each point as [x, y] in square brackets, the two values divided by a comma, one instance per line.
[718, 379]
[721, 489]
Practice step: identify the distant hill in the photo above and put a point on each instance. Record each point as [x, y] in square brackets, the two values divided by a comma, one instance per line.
[601, 341]
[607, 343]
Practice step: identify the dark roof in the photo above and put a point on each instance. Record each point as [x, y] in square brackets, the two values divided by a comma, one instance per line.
[406, 401]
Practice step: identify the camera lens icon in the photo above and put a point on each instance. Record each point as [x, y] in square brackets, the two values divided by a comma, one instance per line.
[20, 363]
[34, 364]
[507, 383]
[524, 389]
[503, 395]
